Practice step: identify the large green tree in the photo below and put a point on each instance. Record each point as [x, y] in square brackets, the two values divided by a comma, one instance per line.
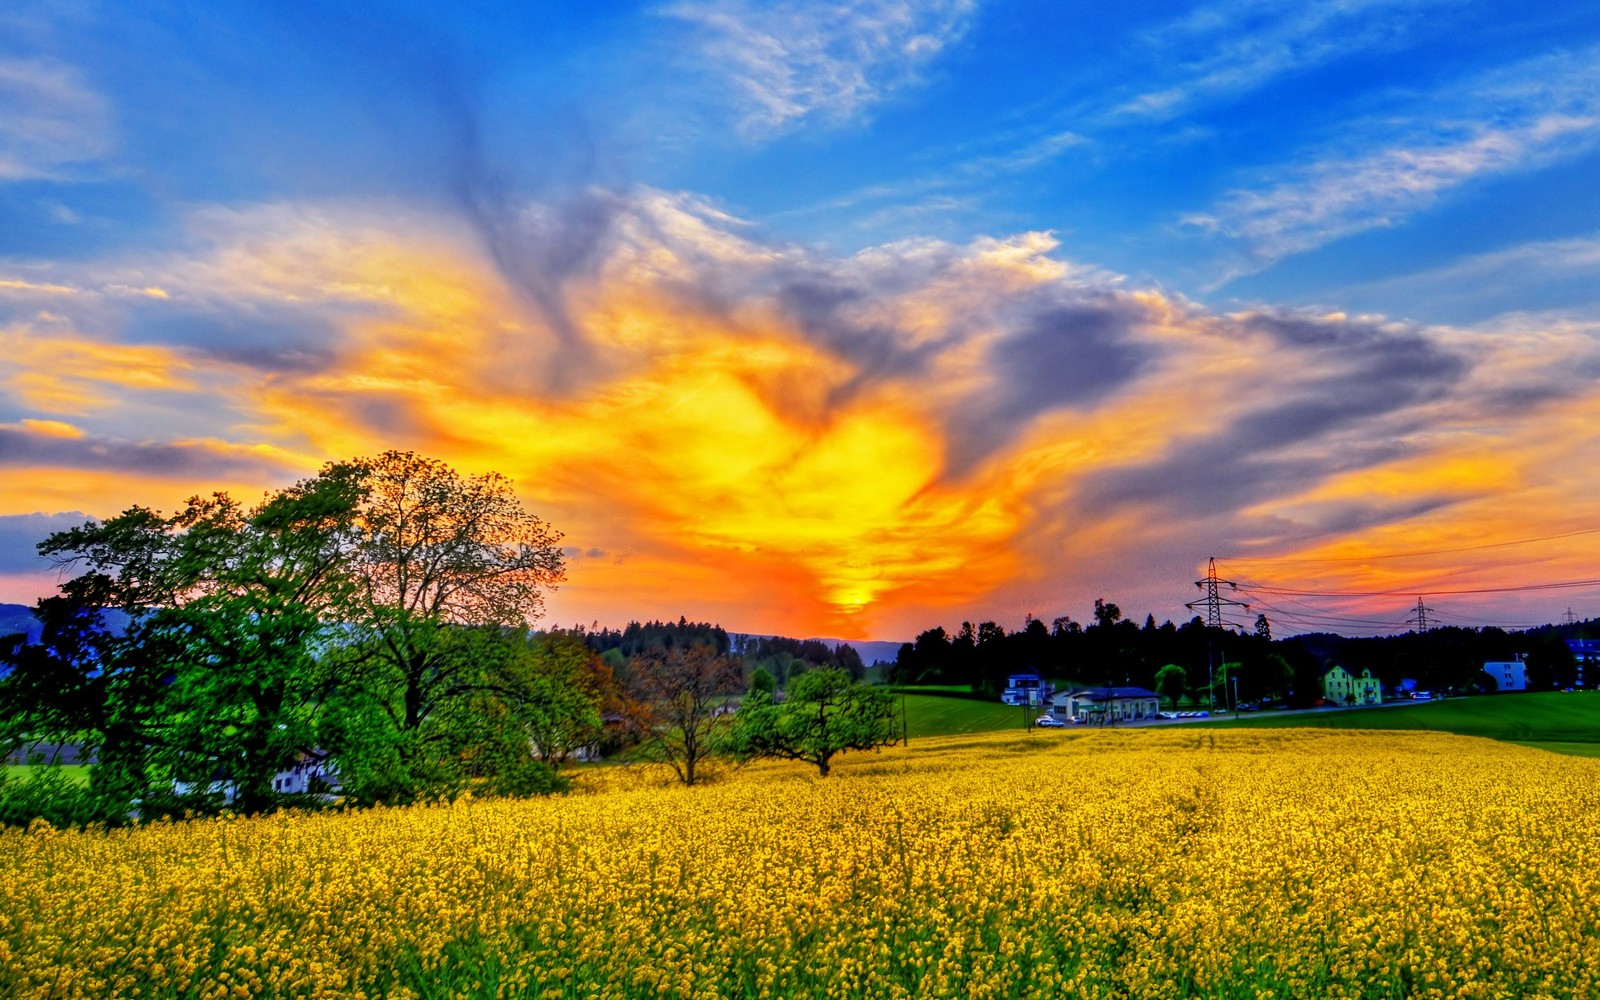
[262, 589]
[377, 611]
[441, 560]
[209, 676]
[89, 680]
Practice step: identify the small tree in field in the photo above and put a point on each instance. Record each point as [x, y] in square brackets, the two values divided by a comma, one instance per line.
[1171, 680]
[676, 704]
[825, 714]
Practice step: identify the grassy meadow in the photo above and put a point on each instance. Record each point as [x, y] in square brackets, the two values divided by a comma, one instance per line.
[954, 712]
[1166, 862]
[1560, 718]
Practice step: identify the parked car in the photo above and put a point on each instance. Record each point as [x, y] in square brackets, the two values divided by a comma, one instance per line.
[1049, 722]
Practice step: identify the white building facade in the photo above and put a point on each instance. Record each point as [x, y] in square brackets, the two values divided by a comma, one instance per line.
[1508, 675]
[1106, 704]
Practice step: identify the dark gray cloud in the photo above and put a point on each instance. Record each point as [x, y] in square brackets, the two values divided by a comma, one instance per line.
[1068, 354]
[272, 338]
[1337, 377]
[821, 306]
[27, 449]
[1060, 351]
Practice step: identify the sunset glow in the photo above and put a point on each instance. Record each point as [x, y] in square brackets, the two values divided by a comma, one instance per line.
[894, 392]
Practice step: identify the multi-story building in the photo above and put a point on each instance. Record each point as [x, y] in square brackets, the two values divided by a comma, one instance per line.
[1508, 675]
[1344, 688]
[1025, 689]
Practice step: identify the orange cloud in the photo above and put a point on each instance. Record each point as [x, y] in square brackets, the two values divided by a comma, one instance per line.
[859, 447]
[56, 373]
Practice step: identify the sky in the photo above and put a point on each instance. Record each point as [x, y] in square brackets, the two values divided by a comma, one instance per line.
[841, 319]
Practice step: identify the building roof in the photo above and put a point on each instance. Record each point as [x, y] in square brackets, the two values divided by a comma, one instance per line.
[1109, 693]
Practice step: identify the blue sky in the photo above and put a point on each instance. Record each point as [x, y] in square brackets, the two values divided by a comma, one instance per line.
[1310, 154]
[209, 194]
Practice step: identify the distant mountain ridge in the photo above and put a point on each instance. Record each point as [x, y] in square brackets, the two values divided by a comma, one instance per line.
[15, 618]
[871, 650]
[18, 618]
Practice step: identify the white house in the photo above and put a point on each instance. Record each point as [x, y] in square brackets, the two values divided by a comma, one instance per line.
[1509, 675]
[308, 774]
[1106, 704]
[1025, 689]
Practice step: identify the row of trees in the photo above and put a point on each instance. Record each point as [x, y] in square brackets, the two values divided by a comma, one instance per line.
[1111, 649]
[374, 615]
[375, 620]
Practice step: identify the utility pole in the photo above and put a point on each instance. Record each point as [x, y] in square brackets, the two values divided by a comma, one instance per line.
[1419, 616]
[1571, 618]
[1211, 680]
[1214, 603]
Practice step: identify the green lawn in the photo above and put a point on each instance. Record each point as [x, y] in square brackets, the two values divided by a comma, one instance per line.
[1554, 720]
[946, 715]
[77, 772]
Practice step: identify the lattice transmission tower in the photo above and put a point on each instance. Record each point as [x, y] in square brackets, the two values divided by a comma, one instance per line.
[1419, 616]
[1214, 602]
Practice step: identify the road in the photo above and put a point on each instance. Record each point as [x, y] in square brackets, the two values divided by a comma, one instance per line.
[1273, 713]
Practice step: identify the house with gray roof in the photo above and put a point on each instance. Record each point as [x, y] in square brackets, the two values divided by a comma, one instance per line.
[1106, 704]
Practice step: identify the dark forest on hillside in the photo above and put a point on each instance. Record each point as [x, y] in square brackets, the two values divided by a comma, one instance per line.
[1111, 649]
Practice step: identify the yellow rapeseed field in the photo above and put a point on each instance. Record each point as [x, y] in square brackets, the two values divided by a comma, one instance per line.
[1111, 864]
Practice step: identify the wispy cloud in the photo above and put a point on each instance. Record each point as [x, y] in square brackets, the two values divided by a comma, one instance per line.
[50, 119]
[1379, 172]
[1489, 283]
[1221, 50]
[790, 63]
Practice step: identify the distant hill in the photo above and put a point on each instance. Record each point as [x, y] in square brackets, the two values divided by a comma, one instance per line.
[871, 650]
[15, 618]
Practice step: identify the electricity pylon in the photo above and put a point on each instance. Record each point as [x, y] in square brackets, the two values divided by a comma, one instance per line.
[1214, 601]
[1419, 616]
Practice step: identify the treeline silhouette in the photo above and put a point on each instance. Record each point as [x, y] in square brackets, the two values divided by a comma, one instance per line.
[1113, 650]
[781, 656]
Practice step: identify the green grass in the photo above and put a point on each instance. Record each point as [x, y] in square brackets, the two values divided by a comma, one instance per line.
[1553, 720]
[1571, 749]
[77, 772]
[944, 715]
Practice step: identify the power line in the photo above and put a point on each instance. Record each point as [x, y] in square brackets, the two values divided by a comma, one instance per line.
[1425, 552]
[1317, 615]
[1321, 618]
[1560, 585]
